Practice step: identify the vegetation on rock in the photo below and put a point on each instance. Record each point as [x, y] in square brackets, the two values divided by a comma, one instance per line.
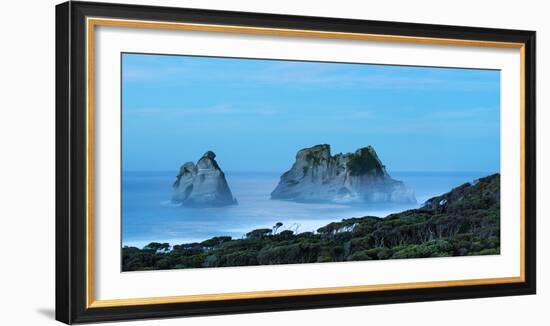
[365, 161]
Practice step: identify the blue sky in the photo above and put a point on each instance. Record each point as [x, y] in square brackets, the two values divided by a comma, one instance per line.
[256, 114]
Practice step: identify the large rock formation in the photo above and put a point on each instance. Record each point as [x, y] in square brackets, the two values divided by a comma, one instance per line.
[360, 177]
[202, 184]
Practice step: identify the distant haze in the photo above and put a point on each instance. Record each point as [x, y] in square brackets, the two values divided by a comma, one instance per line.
[256, 114]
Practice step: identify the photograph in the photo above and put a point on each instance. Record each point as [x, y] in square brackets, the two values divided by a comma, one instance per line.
[252, 161]
[226, 160]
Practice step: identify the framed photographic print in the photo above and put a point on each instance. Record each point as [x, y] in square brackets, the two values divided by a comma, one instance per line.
[215, 162]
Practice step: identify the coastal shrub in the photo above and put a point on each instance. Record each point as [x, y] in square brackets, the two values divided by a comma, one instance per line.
[288, 254]
[360, 244]
[259, 233]
[360, 255]
[379, 253]
[305, 235]
[163, 263]
[240, 258]
[285, 235]
[436, 248]
[215, 241]
[155, 246]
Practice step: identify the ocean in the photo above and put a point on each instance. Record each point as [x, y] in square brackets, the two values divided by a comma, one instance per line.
[149, 216]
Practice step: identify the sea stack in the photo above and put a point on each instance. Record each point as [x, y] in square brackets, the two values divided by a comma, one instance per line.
[202, 184]
[358, 177]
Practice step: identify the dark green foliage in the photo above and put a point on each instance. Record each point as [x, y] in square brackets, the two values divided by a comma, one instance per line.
[215, 241]
[364, 162]
[434, 248]
[157, 246]
[259, 233]
[464, 221]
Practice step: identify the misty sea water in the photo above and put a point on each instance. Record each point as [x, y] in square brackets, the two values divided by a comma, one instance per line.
[148, 215]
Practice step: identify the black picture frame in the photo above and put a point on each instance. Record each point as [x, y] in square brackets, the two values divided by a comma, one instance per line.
[71, 157]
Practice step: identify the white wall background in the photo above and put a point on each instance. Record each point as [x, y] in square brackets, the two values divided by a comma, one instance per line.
[27, 161]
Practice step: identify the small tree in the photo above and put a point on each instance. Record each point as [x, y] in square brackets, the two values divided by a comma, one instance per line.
[276, 227]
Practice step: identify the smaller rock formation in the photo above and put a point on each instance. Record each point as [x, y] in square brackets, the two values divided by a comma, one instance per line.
[202, 184]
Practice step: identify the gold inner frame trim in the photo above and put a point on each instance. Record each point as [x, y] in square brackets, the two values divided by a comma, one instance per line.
[296, 292]
[92, 22]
